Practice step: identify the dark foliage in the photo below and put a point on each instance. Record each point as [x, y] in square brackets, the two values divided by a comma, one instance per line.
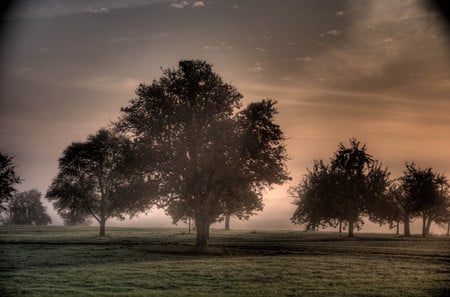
[353, 185]
[26, 208]
[102, 178]
[423, 193]
[8, 178]
[208, 159]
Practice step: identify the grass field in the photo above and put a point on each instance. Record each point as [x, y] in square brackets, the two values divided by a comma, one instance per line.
[63, 261]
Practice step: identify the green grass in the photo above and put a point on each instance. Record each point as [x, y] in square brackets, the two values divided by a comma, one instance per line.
[63, 261]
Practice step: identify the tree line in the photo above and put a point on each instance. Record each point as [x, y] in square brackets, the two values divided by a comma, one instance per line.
[186, 145]
[354, 186]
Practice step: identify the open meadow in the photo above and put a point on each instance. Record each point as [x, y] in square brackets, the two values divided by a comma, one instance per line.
[73, 261]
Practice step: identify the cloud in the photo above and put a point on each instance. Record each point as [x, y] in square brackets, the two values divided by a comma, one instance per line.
[211, 48]
[198, 4]
[258, 68]
[369, 59]
[222, 46]
[261, 50]
[340, 13]
[99, 10]
[304, 59]
[50, 8]
[183, 4]
[180, 5]
[332, 33]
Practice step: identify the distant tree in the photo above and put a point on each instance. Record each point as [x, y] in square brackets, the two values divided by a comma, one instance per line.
[102, 178]
[207, 157]
[352, 186]
[25, 208]
[73, 217]
[241, 208]
[402, 207]
[427, 194]
[315, 198]
[8, 178]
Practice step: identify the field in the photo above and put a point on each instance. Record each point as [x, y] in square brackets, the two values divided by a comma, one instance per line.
[63, 261]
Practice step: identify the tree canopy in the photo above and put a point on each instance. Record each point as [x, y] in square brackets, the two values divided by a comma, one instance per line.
[351, 186]
[424, 193]
[8, 178]
[102, 178]
[208, 157]
[25, 208]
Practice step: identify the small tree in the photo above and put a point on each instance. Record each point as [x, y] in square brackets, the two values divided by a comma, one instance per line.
[314, 198]
[352, 186]
[73, 217]
[426, 194]
[26, 208]
[8, 178]
[403, 207]
[101, 177]
[206, 155]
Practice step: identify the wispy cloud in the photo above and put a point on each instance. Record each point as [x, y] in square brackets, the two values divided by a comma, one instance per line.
[198, 4]
[184, 4]
[303, 59]
[222, 46]
[332, 33]
[50, 8]
[99, 10]
[369, 59]
[258, 67]
[180, 4]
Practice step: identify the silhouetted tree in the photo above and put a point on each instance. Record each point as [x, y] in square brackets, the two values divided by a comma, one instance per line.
[25, 208]
[315, 198]
[8, 178]
[426, 193]
[74, 217]
[352, 186]
[206, 156]
[101, 177]
[402, 208]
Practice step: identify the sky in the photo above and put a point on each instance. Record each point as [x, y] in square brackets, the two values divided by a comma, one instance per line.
[375, 70]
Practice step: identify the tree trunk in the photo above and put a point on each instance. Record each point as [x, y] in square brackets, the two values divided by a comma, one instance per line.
[350, 228]
[424, 226]
[227, 222]
[406, 225]
[102, 227]
[202, 231]
[428, 226]
[340, 227]
[448, 229]
[398, 227]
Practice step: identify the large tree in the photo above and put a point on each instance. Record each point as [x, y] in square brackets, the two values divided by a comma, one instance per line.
[352, 186]
[208, 156]
[103, 178]
[8, 178]
[25, 208]
[426, 193]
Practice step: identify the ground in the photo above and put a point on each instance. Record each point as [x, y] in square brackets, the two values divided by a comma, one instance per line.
[73, 261]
